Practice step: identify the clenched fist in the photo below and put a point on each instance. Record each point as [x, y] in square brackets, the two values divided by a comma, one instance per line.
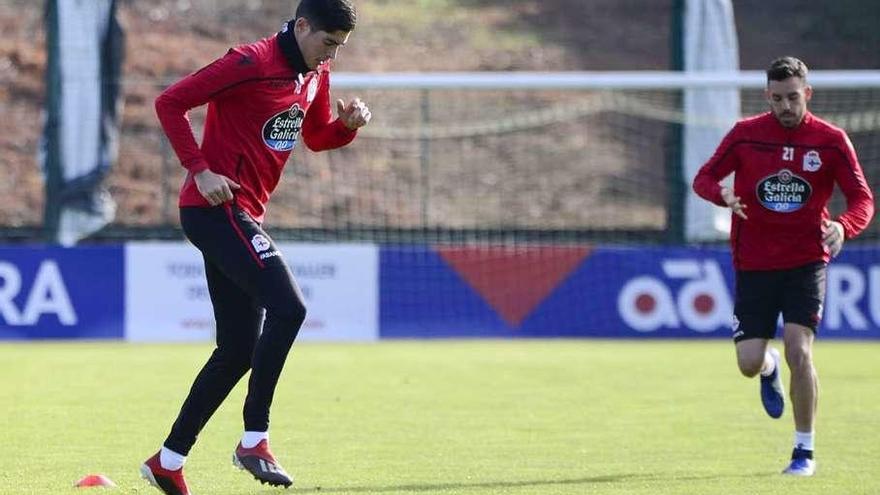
[354, 115]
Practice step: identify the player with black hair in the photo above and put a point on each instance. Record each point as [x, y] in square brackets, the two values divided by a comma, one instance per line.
[261, 98]
[786, 163]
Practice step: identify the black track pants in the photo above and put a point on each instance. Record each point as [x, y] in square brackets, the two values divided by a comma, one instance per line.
[247, 280]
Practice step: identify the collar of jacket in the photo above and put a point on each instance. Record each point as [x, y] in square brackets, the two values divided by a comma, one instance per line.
[290, 48]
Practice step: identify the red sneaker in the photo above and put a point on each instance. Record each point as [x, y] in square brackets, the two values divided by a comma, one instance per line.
[260, 462]
[169, 482]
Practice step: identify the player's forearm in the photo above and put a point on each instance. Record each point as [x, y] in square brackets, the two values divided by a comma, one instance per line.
[708, 188]
[328, 136]
[859, 198]
[172, 116]
[858, 214]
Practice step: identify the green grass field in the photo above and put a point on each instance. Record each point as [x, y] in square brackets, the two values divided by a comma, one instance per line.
[446, 417]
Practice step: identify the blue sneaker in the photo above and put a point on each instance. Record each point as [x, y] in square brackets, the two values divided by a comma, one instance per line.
[772, 393]
[802, 463]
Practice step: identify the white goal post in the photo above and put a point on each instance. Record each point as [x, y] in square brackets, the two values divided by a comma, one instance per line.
[843, 79]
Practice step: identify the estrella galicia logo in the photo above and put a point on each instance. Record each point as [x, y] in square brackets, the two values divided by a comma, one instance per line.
[281, 132]
[783, 192]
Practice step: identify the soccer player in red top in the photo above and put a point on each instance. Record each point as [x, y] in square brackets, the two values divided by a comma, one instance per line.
[786, 162]
[261, 99]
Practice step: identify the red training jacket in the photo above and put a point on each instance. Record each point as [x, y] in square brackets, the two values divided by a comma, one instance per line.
[257, 106]
[785, 178]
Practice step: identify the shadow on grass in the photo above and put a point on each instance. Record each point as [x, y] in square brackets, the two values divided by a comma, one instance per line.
[698, 477]
[590, 480]
[476, 485]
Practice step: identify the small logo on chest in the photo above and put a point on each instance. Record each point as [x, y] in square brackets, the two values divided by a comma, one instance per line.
[812, 161]
[313, 89]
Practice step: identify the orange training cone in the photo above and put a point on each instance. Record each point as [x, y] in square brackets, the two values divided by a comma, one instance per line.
[94, 480]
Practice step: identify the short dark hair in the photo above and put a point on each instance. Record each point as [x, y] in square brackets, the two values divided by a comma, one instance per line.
[784, 67]
[328, 15]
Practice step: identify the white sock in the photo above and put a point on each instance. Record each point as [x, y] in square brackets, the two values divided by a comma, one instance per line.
[170, 459]
[250, 439]
[769, 371]
[803, 440]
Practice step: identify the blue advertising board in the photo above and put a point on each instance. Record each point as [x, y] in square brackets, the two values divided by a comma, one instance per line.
[486, 291]
[609, 292]
[58, 293]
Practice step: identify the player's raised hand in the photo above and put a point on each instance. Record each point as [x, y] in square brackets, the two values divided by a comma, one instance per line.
[832, 236]
[734, 203]
[354, 115]
[215, 188]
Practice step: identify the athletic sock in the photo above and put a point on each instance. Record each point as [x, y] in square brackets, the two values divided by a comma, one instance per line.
[250, 439]
[772, 369]
[803, 441]
[170, 459]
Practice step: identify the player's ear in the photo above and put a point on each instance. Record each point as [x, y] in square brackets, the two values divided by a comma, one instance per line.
[302, 26]
[808, 92]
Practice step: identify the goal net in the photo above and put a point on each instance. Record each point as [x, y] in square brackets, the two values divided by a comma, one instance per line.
[552, 157]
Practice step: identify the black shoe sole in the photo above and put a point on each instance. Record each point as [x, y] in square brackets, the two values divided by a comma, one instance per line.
[240, 465]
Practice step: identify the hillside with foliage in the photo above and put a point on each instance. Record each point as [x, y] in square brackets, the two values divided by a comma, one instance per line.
[169, 38]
